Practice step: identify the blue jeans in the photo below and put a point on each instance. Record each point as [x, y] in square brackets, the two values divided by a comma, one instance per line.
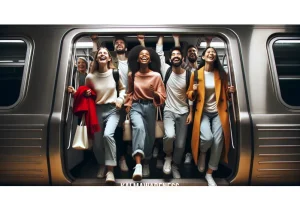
[211, 136]
[172, 122]
[142, 117]
[105, 145]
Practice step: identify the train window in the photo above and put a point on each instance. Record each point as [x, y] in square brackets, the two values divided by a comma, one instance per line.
[12, 63]
[287, 59]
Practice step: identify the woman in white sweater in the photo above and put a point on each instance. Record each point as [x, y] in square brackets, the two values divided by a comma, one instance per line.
[108, 105]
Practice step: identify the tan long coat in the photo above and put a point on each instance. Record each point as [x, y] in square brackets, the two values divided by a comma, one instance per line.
[221, 98]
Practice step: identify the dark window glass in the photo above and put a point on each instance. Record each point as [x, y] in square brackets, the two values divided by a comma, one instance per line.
[287, 59]
[12, 59]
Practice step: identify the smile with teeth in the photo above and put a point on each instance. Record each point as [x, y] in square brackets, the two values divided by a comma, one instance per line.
[102, 58]
[144, 59]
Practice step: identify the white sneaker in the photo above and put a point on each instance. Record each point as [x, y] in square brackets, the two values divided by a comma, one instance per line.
[101, 172]
[210, 180]
[137, 174]
[159, 164]
[155, 152]
[201, 162]
[167, 165]
[175, 172]
[146, 170]
[188, 158]
[123, 165]
[110, 178]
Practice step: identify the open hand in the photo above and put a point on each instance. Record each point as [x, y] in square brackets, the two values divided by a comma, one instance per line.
[189, 119]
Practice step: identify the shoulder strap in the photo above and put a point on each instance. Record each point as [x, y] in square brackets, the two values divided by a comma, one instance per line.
[116, 78]
[167, 76]
[115, 61]
[195, 82]
[188, 77]
[196, 77]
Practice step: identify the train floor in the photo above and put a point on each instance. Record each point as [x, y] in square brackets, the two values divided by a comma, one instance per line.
[89, 167]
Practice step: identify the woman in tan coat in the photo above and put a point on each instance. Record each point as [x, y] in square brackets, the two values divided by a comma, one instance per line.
[211, 120]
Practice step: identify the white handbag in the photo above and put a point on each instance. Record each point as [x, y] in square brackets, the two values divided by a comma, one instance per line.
[159, 125]
[81, 140]
[127, 129]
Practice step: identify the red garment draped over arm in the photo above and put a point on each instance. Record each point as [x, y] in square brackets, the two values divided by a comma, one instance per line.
[86, 105]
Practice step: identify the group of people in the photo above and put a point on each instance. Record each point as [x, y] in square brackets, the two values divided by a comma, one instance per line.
[193, 97]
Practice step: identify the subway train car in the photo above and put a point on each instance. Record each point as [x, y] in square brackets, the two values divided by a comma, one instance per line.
[37, 64]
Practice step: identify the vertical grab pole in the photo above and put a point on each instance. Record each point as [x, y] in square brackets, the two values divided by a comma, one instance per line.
[233, 108]
[69, 102]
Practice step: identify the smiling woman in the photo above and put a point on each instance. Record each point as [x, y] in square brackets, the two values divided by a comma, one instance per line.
[108, 105]
[146, 91]
[212, 117]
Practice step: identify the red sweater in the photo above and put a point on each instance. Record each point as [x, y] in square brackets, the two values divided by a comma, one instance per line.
[86, 105]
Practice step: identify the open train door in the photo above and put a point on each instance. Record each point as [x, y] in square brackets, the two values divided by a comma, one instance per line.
[239, 113]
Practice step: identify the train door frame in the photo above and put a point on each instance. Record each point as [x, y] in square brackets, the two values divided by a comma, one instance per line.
[241, 176]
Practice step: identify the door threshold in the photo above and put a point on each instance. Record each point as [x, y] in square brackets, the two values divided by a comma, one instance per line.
[149, 182]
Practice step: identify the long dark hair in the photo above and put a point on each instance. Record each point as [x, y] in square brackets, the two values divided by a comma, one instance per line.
[217, 64]
[134, 65]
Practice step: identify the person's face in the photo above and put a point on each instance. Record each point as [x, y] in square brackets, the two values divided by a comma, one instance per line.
[144, 57]
[120, 46]
[81, 65]
[176, 58]
[192, 54]
[210, 55]
[103, 56]
[91, 65]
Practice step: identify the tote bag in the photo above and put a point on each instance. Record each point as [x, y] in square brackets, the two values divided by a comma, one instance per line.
[81, 140]
[127, 129]
[159, 125]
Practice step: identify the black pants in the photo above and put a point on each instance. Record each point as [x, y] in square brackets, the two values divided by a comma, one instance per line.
[121, 145]
[189, 138]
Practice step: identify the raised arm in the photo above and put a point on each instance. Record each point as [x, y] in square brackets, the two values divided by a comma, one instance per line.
[208, 40]
[95, 40]
[141, 39]
[176, 40]
[159, 50]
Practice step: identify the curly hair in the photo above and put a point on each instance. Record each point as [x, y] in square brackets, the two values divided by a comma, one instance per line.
[134, 65]
[217, 63]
